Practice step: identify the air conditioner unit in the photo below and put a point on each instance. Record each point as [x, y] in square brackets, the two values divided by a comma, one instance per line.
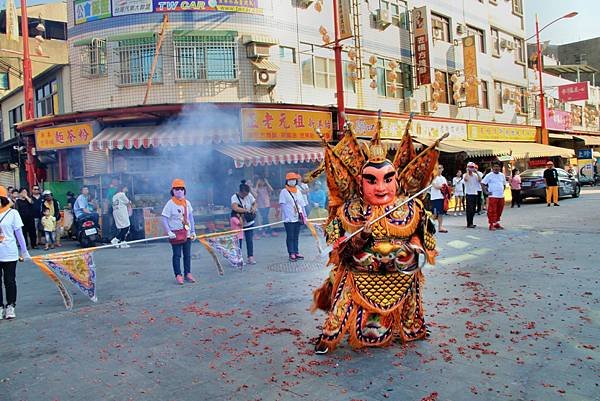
[382, 18]
[428, 108]
[437, 24]
[257, 50]
[503, 43]
[510, 45]
[411, 105]
[265, 78]
[460, 29]
[305, 3]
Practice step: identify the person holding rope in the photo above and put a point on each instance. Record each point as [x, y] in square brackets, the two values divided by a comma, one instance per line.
[293, 213]
[178, 222]
[243, 206]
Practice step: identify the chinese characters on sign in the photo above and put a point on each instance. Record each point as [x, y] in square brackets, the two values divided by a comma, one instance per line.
[559, 120]
[573, 92]
[126, 7]
[422, 46]
[66, 136]
[91, 10]
[393, 128]
[344, 19]
[482, 132]
[235, 6]
[285, 125]
[470, 60]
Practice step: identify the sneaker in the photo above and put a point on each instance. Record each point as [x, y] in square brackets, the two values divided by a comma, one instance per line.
[46, 248]
[460, 214]
[472, 226]
[455, 214]
[492, 228]
[293, 258]
[299, 256]
[1, 313]
[274, 234]
[10, 312]
[189, 278]
[179, 279]
[548, 205]
[124, 245]
[251, 260]
[556, 204]
[497, 226]
[114, 241]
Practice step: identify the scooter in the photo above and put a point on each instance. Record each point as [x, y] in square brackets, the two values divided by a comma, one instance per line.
[87, 232]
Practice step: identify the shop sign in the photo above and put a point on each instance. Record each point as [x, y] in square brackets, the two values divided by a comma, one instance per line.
[91, 10]
[66, 136]
[344, 19]
[470, 61]
[393, 128]
[584, 153]
[233, 6]
[585, 168]
[573, 92]
[558, 120]
[534, 163]
[422, 46]
[126, 7]
[285, 125]
[483, 132]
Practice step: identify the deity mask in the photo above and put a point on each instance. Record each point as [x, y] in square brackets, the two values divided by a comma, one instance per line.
[379, 184]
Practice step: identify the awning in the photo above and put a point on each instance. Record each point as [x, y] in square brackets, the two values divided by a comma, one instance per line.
[560, 136]
[471, 148]
[137, 137]
[260, 39]
[590, 140]
[281, 153]
[265, 64]
[524, 150]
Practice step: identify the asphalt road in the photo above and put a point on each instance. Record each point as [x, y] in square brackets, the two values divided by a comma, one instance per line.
[514, 315]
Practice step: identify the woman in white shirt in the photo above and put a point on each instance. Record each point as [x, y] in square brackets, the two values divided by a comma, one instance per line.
[459, 193]
[243, 204]
[11, 232]
[293, 213]
[121, 206]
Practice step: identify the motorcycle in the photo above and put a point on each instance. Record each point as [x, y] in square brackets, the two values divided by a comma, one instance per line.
[87, 232]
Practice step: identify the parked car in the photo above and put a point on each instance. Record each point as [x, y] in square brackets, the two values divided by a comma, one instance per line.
[533, 185]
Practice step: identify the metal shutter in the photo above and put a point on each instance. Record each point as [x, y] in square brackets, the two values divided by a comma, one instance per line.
[95, 162]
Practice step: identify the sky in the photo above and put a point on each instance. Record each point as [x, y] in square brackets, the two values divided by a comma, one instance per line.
[581, 27]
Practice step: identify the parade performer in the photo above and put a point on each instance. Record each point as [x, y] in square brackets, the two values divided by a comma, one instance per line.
[374, 290]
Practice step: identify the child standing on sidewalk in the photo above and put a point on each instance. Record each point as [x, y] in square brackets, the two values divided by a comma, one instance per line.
[49, 224]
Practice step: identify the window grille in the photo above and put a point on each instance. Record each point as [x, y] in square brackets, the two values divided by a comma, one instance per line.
[93, 59]
[135, 61]
[210, 58]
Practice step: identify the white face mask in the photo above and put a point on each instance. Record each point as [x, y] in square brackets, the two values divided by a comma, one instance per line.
[292, 183]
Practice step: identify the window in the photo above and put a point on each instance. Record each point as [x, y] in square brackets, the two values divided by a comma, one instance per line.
[320, 71]
[445, 87]
[349, 83]
[287, 54]
[440, 26]
[517, 7]
[484, 95]
[307, 64]
[93, 58]
[398, 16]
[324, 72]
[386, 85]
[581, 58]
[524, 100]
[135, 61]
[495, 42]
[209, 58]
[479, 37]
[519, 51]
[46, 99]
[498, 96]
[3, 80]
[15, 116]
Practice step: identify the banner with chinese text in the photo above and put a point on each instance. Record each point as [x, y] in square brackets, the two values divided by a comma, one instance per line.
[285, 125]
[127, 7]
[573, 92]
[91, 10]
[484, 132]
[393, 128]
[66, 136]
[234, 6]
[470, 60]
[422, 46]
[558, 120]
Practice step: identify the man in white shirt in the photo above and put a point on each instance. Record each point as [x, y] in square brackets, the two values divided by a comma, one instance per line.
[494, 184]
[437, 198]
[472, 187]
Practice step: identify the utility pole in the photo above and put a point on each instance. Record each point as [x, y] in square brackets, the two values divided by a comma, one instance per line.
[339, 73]
[28, 106]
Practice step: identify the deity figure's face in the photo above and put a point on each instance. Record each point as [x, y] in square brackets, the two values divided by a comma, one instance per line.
[379, 183]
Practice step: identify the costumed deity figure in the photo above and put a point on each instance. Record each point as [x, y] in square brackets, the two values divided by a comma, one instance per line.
[381, 236]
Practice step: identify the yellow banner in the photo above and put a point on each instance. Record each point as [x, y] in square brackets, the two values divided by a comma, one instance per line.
[483, 132]
[470, 60]
[393, 128]
[66, 136]
[285, 125]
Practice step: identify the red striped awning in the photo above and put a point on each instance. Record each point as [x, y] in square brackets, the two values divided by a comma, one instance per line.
[280, 153]
[156, 135]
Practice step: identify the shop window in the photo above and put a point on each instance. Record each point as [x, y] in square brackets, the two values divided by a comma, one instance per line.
[206, 58]
[93, 57]
[495, 42]
[15, 116]
[446, 91]
[479, 37]
[46, 99]
[440, 26]
[287, 54]
[519, 51]
[135, 61]
[498, 96]
[386, 86]
[484, 95]
[3, 80]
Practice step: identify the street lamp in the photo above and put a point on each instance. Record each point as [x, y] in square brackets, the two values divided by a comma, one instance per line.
[544, 136]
